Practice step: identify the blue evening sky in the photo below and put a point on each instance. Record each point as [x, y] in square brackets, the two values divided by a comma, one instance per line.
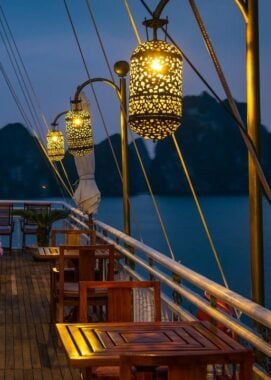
[45, 39]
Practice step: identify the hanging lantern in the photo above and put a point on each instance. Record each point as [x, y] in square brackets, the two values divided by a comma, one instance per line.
[55, 145]
[155, 102]
[79, 133]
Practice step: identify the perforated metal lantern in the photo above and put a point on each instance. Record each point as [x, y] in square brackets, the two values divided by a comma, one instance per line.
[55, 145]
[79, 133]
[155, 100]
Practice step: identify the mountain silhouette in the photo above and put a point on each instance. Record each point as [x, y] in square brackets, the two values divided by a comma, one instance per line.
[209, 139]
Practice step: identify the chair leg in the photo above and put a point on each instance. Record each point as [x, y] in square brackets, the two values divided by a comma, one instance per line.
[87, 374]
[23, 241]
[52, 311]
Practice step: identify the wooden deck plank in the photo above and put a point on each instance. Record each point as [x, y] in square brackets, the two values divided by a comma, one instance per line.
[28, 374]
[9, 374]
[18, 374]
[29, 346]
[2, 346]
[18, 354]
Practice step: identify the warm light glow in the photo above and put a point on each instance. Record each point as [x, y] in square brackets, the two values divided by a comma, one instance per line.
[79, 133]
[78, 122]
[55, 145]
[155, 102]
[156, 65]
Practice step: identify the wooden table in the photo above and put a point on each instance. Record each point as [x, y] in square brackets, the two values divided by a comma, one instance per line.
[46, 253]
[52, 253]
[88, 345]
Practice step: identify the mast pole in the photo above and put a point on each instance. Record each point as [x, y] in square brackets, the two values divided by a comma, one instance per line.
[253, 128]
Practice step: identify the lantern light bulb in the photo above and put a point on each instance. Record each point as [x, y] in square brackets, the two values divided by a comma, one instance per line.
[156, 65]
[54, 138]
[77, 121]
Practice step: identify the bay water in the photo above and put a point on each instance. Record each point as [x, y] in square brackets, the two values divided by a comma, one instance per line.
[228, 222]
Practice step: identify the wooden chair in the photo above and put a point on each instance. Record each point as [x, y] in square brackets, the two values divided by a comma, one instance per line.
[119, 308]
[177, 367]
[182, 365]
[85, 260]
[28, 227]
[6, 221]
[73, 237]
[70, 237]
[117, 311]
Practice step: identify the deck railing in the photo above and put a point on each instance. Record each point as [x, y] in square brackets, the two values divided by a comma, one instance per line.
[183, 289]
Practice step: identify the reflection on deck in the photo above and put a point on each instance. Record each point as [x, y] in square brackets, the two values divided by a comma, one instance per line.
[29, 348]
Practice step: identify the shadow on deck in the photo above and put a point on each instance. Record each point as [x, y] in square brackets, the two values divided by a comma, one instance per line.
[29, 348]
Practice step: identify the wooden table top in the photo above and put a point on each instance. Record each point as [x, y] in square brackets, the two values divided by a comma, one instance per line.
[101, 344]
[52, 253]
[47, 253]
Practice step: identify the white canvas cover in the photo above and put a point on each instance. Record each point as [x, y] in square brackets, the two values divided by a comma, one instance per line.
[87, 195]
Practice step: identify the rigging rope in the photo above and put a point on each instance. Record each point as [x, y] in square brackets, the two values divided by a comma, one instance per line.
[247, 140]
[24, 88]
[230, 98]
[93, 90]
[137, 226]
[133, 141]
[132, 21]
[203, 220]
[66, 176]
[15, 97]
[52, 166]
[24, 69]
[25, 119]
[92, 87]
[17, 71]
[162, 225]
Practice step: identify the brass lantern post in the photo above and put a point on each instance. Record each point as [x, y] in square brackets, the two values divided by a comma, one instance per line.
[121, 69]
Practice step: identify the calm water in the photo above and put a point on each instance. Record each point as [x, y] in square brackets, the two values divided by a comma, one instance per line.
[227, 219]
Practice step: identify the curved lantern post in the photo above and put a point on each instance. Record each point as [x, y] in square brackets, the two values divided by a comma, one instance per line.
[121, 69]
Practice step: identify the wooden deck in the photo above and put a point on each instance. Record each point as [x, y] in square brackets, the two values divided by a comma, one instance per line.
[29, 348]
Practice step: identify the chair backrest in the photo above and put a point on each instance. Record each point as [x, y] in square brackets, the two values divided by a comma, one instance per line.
[73, 237]
[85, 259]
[120, 298]
[36, 207]
[179, 365]
[6, 214]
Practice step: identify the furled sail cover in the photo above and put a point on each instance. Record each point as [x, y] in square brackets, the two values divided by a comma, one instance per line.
[87, 195]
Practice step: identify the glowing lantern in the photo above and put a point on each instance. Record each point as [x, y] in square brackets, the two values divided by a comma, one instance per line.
[55, 145]
[155, 100]
[79, 133]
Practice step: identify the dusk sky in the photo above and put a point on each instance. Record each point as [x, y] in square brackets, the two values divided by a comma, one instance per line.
[45, 39]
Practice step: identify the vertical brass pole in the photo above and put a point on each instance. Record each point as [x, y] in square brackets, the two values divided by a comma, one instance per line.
[253, 126]
[121, 69]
